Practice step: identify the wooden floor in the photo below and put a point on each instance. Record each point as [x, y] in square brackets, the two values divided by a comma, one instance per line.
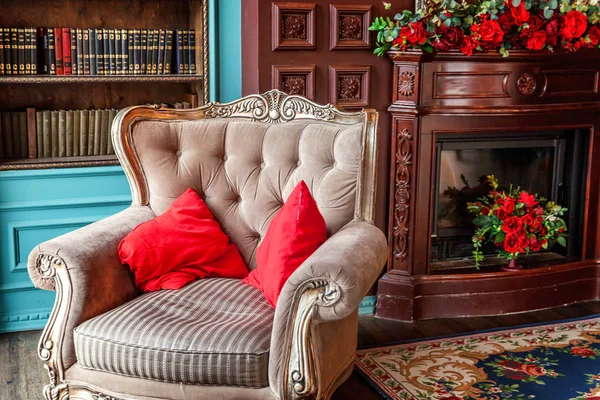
[22, 375]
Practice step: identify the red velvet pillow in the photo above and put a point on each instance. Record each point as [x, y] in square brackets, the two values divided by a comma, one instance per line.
[296, 231]
[181, 245]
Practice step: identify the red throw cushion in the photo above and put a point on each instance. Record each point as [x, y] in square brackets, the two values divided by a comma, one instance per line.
[296, 231]
[181, 245]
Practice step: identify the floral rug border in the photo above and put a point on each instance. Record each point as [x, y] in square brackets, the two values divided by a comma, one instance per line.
[387, 393]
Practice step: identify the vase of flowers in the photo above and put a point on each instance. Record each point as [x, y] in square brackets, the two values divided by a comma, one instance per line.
[517, 222]
[491, 25]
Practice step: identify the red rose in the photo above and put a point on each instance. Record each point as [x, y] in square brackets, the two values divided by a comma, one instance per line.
[552, 31]
[524, 197]
[536, 224]
[490, 32]
[513, 243]
[519, 14]
[512, 225]
[468, 45]
[454, 37]
[534, 23]
[534, 245]
[594, 36]
[533, 370]
[414, 33]
[574, 25]
[510, 364]
[507, 206]
[536, 41]
[583, 351]
[506, 20]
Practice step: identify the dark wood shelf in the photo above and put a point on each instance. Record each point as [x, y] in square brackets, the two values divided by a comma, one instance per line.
[57, 162]
[181, 78]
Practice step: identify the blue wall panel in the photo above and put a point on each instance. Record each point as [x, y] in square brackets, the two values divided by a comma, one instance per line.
[36, 206]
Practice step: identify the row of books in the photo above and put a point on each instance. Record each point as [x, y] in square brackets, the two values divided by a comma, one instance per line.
[72, 133]
[74, 51]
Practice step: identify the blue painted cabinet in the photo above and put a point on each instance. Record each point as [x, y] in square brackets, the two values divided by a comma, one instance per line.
[38, 205]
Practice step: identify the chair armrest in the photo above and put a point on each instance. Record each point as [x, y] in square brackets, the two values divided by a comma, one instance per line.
[83, 267]
[327, 287]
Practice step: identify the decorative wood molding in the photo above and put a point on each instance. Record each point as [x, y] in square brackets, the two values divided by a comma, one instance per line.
[402, 198]
[294, 80]
[294, 26]
[406, 83]
[526, 84]
[350, 85]
[168, 78]
[349, 26]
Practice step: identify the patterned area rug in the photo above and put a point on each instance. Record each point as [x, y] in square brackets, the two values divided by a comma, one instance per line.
[560, 361]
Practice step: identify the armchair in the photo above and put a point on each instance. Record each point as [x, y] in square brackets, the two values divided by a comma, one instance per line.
[218, 338]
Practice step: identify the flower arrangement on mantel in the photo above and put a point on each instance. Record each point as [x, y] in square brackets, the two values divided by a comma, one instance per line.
[517, 222]
[491, 25]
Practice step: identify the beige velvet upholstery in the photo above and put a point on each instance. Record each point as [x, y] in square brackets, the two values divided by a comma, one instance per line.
[246, 170]
[244, 158]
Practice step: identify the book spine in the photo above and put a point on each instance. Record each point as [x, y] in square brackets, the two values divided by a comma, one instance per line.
[90, 132]
[2, 70]
[124, 52]
[168, 51]
[143, 50]
[155, 44]
[103, 132]
[76, 133]
[161, 52]
[85, 48]
[186, 52]
[39, 120]
[105, 51]
[14, 125]
[130, 52]
[58, 51]
[69, 133]
[136, 51]
[31, 129]
[21, 50]
[54, 132]
[92, 51]
[14, 52]
[66, 51]
[7, 133]
[97, 131]
[179, 62]
[83, 132]
[149, 44]
[27, 50]
[98, 53]
[7, 52]
[111, 50]
[62, 133]
[34, 51]
[74, 54]
[79, 52]
[43, 51]
[118, 54]
[51, 55]
[22, 124]
[46, 133]
[112, 113]
[192, 51]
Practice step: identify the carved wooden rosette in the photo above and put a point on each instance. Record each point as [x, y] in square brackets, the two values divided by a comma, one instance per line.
[293, 26]
[294, 79]
[350, 85]
[349, 26]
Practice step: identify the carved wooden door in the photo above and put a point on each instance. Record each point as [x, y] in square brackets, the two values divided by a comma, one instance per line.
[321, 50]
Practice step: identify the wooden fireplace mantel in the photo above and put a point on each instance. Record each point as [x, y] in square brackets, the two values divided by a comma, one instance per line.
[448, 94]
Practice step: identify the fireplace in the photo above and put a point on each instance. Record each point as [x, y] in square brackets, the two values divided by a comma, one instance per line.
[548, 163]
[531, 119]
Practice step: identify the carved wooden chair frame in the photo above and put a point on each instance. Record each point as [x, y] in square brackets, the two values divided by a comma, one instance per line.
[300, 380]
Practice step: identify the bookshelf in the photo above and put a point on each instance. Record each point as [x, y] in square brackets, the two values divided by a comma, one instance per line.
[87, 92]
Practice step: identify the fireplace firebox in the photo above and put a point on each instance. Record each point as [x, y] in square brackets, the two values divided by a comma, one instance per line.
[531, 119]
[548, 163]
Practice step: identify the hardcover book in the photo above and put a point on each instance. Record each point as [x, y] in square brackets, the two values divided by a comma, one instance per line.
[155, 39]
[54, 133]
[76, 133]
[149, 46]
[168, 51]
[97, 131]
[99, 45]
[46, 128]
[7, 53]
[186, 52]
[14, 50]
[130, 52]
[111, 51]
[51, 50]
[39, 124]
[31, 128]
[34, 51]
[16, 142]
[74, 55]
[124, 52]
[161, 51]
[137, 48]
[27, 50]
[192, 51]
[2, 71]
[118, 52]
[83, 132]
[23, 145]
[85, 49]
[62, 133]
[69, 129]
[80, 70]
[92, 51]
[106, 50]
[90, 132]
[143, 50]
[66, 51]
[58, 51]
[7, 135]
[103, 132]
[179, 62]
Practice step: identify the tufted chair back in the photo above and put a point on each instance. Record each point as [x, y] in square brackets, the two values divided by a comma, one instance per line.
[245, 157]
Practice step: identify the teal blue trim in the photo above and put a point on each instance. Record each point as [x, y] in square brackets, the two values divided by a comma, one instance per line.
[61, 172]
[228, 50]
[213, 64]
[367, 306]
[25, 321]
[123, 200]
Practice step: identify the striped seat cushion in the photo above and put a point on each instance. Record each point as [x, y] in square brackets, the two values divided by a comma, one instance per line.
[212, 332]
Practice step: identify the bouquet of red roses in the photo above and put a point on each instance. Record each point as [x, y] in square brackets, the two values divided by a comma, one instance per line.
[516, 221]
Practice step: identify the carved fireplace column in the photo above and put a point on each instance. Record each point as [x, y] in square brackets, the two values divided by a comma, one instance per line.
[444, 100]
